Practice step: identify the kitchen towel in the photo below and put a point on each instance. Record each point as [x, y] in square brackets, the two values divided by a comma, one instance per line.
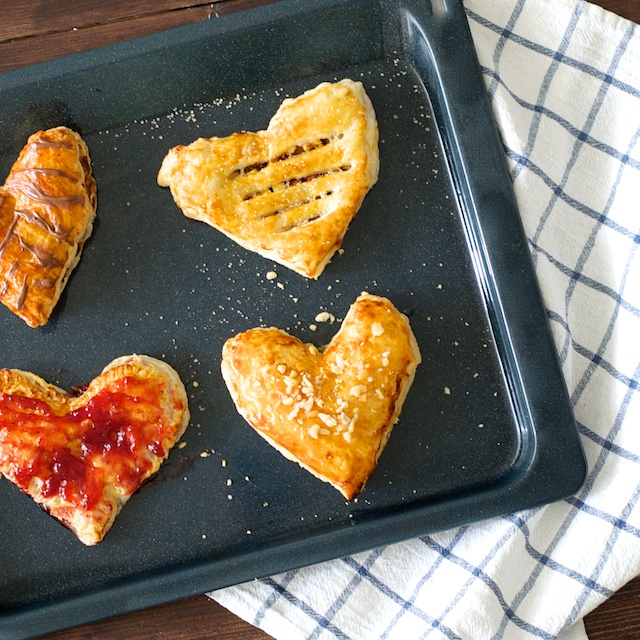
[563, 77]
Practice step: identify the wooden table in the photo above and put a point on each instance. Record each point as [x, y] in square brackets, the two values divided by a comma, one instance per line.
[33, 31]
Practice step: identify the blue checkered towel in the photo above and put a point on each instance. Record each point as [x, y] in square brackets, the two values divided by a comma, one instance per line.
[564, 81]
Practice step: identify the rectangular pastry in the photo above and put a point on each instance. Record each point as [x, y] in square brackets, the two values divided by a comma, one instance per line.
[47, 207]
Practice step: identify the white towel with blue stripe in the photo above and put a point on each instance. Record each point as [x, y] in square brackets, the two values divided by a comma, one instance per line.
[563, 77]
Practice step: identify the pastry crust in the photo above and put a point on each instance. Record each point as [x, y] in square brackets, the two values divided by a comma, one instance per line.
[289, 192]
[82, 457]
[330, 412]
[47, 207]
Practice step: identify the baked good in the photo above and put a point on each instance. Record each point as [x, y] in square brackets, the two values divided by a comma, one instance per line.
[82, 457]
[289, 192]
[47, 207]
[331, 412]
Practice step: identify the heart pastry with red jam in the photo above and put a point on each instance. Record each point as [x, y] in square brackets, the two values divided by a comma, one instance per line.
[82, 457]
[332, 412]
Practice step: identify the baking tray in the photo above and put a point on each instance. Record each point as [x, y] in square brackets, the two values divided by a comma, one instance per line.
[487, 427]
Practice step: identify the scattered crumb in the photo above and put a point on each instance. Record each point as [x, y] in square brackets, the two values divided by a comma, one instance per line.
[182, 445]
[447, 391]
[224, 463]
[229, 482]
[271, 275]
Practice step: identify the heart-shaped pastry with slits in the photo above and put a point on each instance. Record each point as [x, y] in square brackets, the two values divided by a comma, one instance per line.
[82, 457]
[289, 192]
[331, 412]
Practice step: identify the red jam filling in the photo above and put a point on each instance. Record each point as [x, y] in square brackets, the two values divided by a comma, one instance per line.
[75, 455]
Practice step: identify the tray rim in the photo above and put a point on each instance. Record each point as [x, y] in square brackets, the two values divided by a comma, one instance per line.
[422, 30]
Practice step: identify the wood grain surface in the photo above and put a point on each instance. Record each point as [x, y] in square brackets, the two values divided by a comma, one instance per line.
[33, 31]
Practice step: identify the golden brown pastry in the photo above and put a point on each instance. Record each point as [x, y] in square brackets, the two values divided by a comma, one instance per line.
[47, 207]
[82, 457]
[290, 192]
[330, 412]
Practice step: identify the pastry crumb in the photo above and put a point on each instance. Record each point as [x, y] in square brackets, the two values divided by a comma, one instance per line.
[271, 275]
[377, 329]
[447, 391]
[358, 391]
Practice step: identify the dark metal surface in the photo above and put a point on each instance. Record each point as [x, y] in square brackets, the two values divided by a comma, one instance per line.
[486, 428]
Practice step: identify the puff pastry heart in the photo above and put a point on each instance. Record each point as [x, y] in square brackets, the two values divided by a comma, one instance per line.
[290, 192]
[47, 207]
[331, 412]
[82, 457]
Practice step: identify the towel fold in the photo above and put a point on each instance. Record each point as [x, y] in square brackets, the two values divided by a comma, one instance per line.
[563, 77]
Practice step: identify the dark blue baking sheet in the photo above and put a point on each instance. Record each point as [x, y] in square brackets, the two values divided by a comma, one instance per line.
[487, 427]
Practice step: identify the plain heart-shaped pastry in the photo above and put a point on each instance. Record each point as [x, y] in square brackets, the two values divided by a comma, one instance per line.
[290, 192]
[82, 457]
[331, 412]
[47, 207]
